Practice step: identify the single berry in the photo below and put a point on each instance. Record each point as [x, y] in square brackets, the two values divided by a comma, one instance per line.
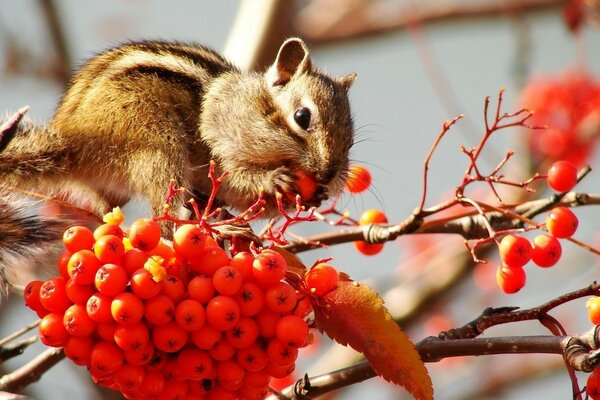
[561, 222]
[269, 267]
[189, 241]
[562, 176]
[111, 279]
[510, 280]
[190, 315]
[222, 313]
[592, 386]
[78, 238]
[52, 330]
[109, 249]
[515, 251]
[82, 266]
[77, 322]
[368, 249]
[127, 309]
[546, 250]
[359, 179]
[227, 280]
[321, 279]
[593, 306]
[372, 216]
[144, 234]
[292, 331]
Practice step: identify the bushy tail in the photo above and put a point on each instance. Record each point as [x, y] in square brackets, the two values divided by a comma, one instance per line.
[27, 237]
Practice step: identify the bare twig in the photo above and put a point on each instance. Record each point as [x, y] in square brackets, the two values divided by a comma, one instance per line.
[32, 371]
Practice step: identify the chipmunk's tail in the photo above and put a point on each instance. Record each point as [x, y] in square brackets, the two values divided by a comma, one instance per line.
[26, 235]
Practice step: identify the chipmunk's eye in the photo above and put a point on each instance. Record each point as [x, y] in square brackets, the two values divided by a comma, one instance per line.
[302, 117]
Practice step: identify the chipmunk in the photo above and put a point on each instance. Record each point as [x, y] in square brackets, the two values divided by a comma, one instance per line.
[138, 115]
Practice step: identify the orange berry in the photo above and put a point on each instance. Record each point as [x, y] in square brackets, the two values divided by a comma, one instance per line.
[515, 251]
[190, 315]
[169, 337]
[53, 295]
[143, 284]
[189, 241]
[222, 313]
[321, 278]
[144, 234]
[109, 249]
[82, 266]
[52, 330]
[359, 179]
[269, 267]
[111, 279]
[159, 309]
[127, 309]
[227, 280]
[78, 238]
[368, 249]
[77, 322]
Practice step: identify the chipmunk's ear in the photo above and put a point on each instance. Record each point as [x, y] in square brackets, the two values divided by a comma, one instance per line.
[348, 80]
[292, 59]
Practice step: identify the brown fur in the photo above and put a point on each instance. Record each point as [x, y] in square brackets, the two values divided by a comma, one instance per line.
[138, 115]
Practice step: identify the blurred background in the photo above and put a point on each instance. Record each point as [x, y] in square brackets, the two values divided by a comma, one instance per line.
[418, 63]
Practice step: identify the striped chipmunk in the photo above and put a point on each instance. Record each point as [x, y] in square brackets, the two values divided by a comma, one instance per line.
[138, 115]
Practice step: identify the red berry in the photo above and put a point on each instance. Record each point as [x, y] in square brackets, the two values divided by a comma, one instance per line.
[109, 249]
[143, 285]
[321, 278]
[592, 387]
[368, 249]
[227, 280]
[78, 238]
[510, 280]
[209, 261]
[359, 179]
[372, 216]
[190, 315]
[52, 330]
[195, 364]
[169, 337]
[242, 261]
[53, 295]
[561, 222]
[515, 251]
[79, 349]
[131, 337]
[222, 313]
[98, 307]
[77, 322]
[111, 279]
[31, 295]
[250, 298]
[546, 250]
[243, 334]
[127, 309]
[206, 337]
[159, 309]
[593, 306]
[562, 176]
[105, 358]
[292, 331]
[144, 234]
[79, 293]
[281, 297]
[189, 241]
[281, 354]
[108, 229]
[269, 267]
[82, 267]
[201, 289]
[128, 376]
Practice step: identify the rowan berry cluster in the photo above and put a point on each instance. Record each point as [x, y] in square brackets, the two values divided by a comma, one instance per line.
[545, 249]
[568, 104]
[156, 321]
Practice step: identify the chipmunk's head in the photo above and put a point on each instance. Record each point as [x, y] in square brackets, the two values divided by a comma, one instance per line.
[294, 126]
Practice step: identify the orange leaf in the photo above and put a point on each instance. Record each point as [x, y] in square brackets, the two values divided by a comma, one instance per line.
[353, 314]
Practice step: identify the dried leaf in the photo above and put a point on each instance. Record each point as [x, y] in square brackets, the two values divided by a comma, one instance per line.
[353, 314]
